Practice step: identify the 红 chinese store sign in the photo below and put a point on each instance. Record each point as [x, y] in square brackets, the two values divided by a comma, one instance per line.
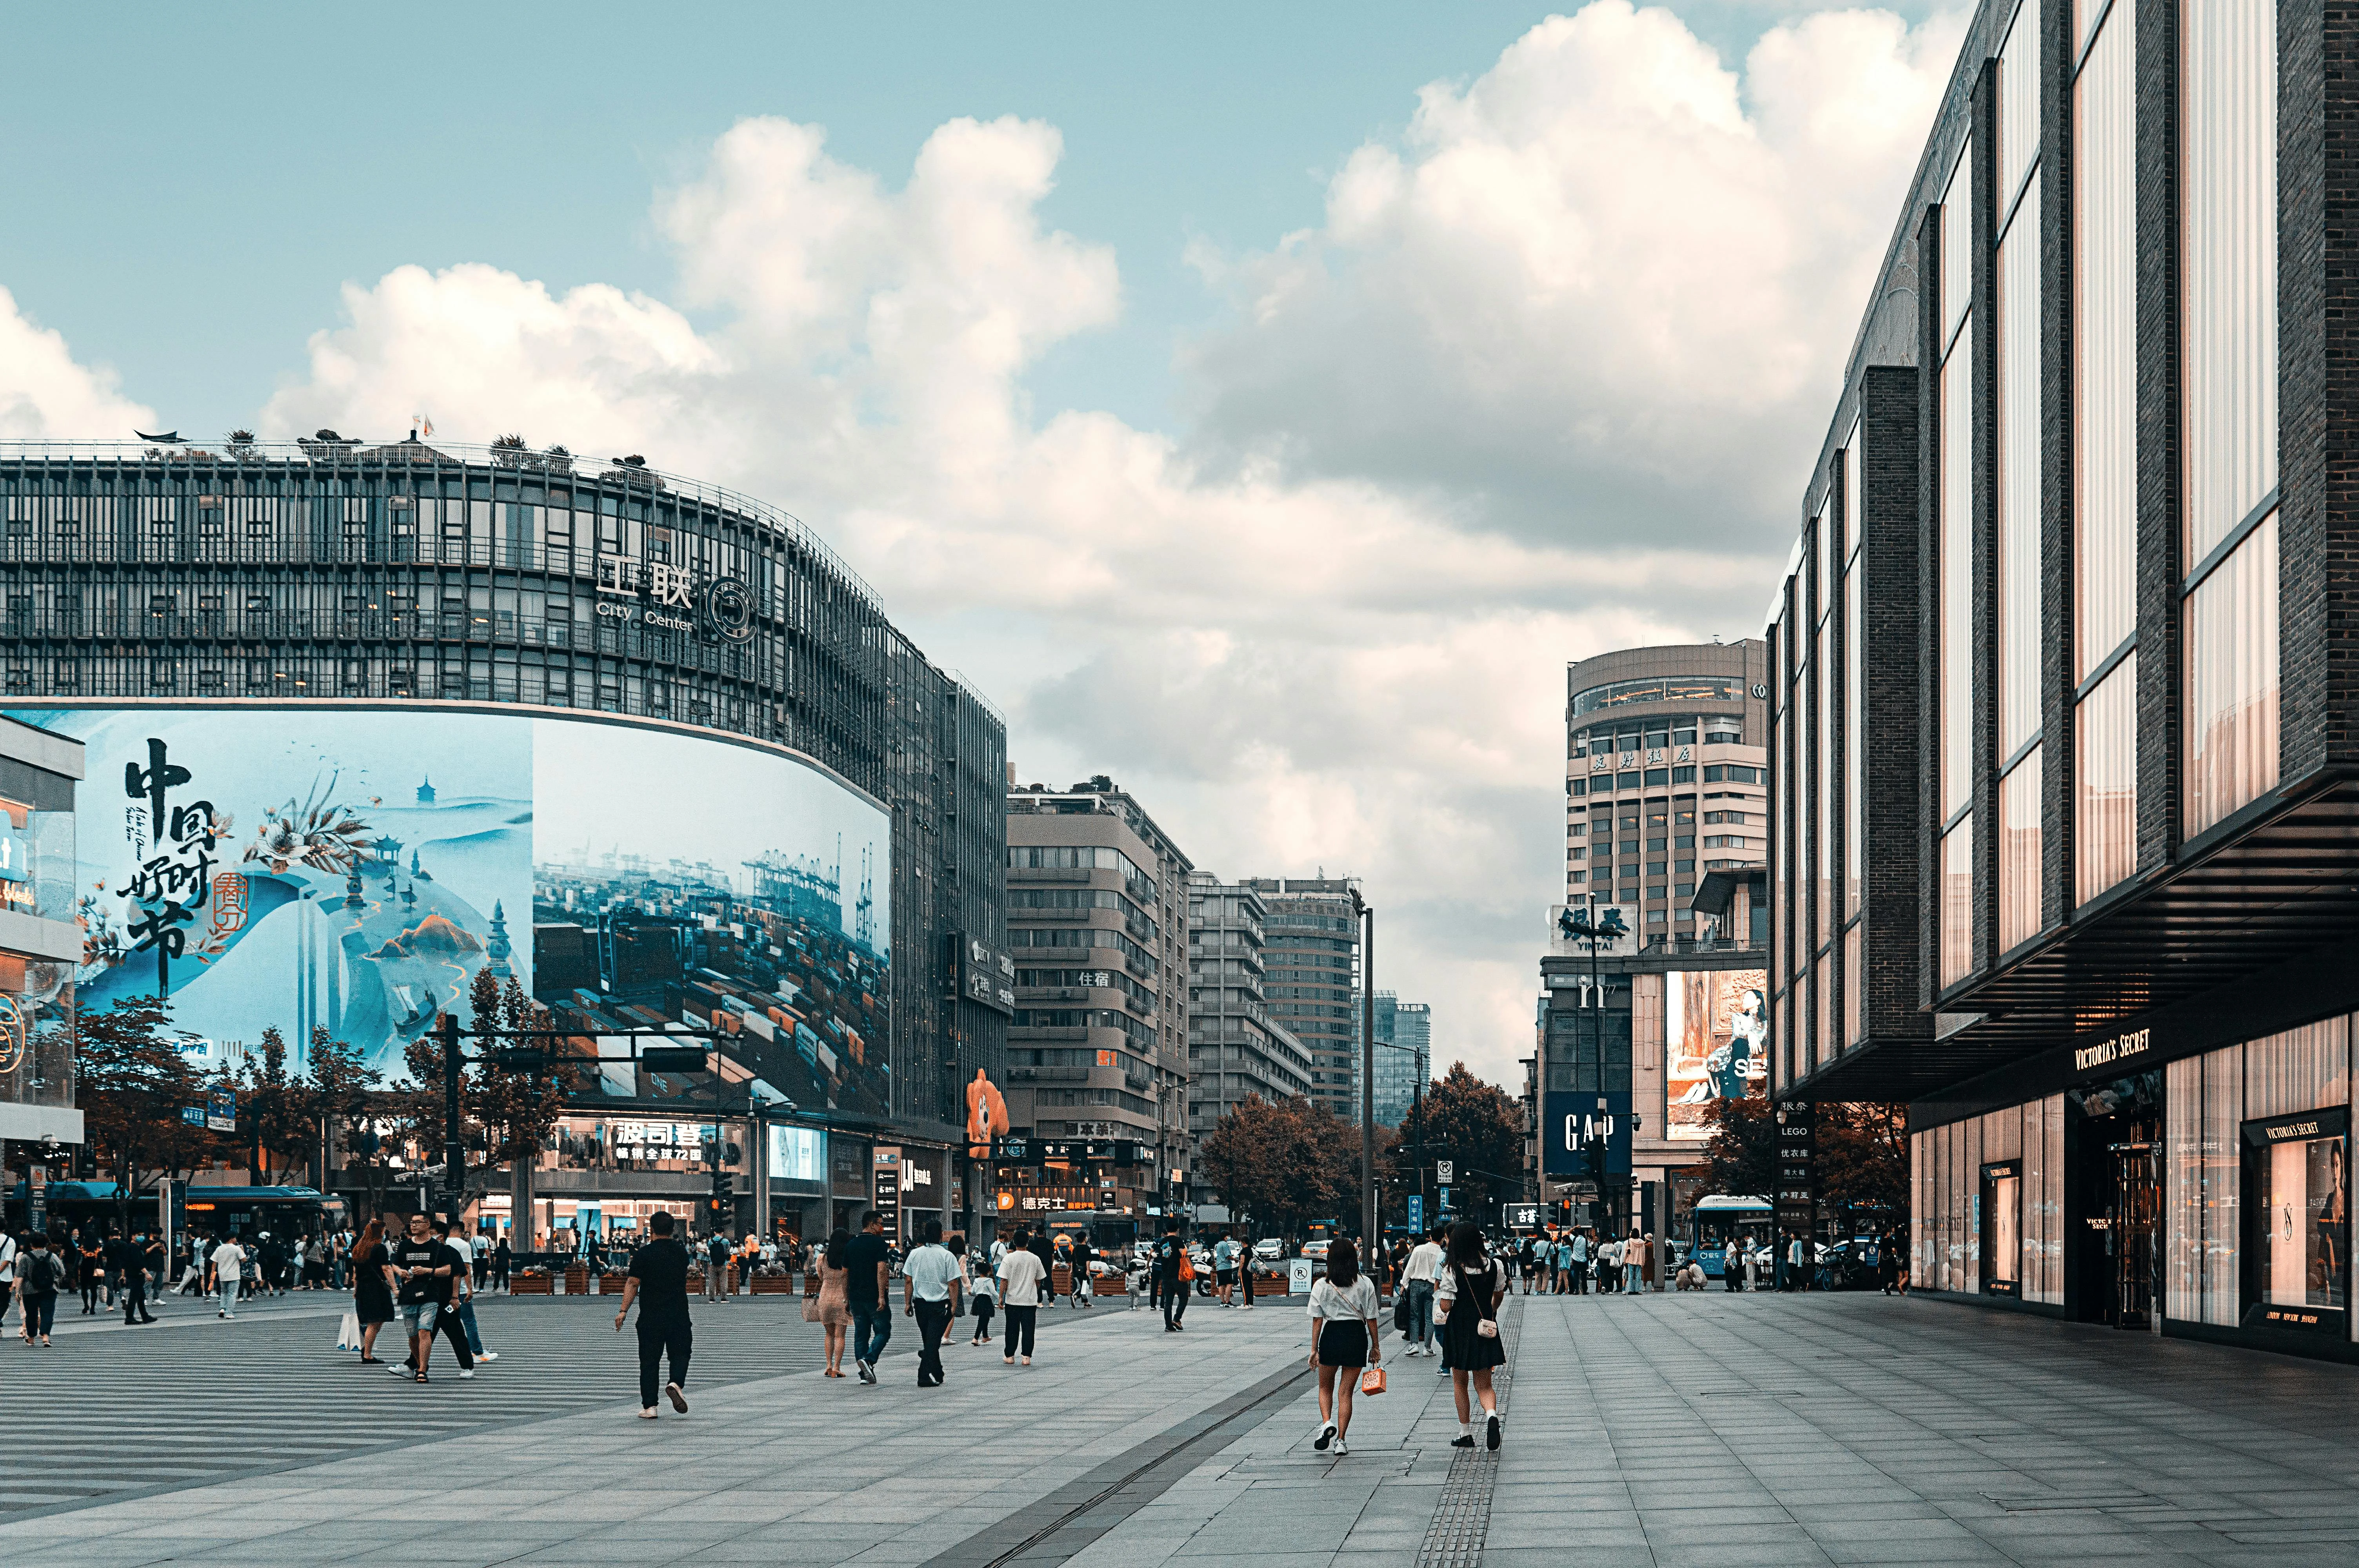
[174, 845]
[674, 598]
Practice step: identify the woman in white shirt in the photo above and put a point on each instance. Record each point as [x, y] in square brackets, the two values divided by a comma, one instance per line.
[1343, 1339]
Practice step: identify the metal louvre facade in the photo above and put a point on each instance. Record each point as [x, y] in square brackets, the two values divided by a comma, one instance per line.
[333, 572]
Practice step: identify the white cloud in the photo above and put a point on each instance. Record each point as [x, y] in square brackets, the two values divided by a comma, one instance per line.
[1544, 383]
[1607, 286]
[46, 394]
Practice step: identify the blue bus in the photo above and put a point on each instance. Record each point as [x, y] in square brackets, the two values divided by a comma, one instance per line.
[1717, 1220]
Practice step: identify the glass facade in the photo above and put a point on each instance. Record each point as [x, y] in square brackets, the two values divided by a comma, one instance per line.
[2105, 786]
[2021, 636]
[2232, 681]
[2105, 344]
[2019, 853]
[1988, 1199]
[2215, 1257]
[1957, 916]
[1955, 699]
[331, 572]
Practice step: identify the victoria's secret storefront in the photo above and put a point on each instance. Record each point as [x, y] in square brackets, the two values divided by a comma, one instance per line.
[2207, 1195]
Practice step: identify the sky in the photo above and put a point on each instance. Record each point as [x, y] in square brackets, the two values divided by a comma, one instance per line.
[1260, 405]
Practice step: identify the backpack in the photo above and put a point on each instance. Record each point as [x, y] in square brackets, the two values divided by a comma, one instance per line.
[45, 1274]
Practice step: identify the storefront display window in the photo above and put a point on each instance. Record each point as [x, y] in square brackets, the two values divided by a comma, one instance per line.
[2002, 1236]
[2298, 1227]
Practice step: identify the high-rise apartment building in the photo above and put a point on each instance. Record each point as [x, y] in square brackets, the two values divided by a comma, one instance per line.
[1098, 1047]
[1235, 1049]
[2065, 783]
[1313, 957]
[1404, 1055]
[1666, 778]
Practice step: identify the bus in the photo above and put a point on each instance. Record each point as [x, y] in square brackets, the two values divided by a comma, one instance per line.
[1718, 1219]
[243, 1212]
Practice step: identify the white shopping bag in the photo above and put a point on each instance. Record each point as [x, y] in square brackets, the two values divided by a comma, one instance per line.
[348, 1333]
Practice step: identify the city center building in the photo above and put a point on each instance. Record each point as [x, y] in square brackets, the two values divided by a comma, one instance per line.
[2066, 796]
[393, 717]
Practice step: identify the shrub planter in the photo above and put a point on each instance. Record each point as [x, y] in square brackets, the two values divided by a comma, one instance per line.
[774, 1284]
[577, 1280]
[611, 1283]
[530, 1285]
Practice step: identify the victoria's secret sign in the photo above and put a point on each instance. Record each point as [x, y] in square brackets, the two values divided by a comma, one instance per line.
[2133, 1042]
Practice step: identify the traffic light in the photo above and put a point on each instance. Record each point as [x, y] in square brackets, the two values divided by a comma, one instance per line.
[724, 1187]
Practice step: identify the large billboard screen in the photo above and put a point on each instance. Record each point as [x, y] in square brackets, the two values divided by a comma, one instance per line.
[1716, 1043]
[354, 870]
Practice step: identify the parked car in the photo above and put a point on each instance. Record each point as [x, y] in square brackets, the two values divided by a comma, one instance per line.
[1268, 1249]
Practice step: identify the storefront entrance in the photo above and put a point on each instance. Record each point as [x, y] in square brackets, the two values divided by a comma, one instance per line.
[2114, 1229]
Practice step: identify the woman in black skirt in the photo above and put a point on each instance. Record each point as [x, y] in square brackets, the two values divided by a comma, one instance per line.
[1466, 1298]
[1343, 1339]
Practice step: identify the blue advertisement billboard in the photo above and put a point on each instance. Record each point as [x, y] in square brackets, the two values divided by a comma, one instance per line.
[353, 869]
[1575, 1124]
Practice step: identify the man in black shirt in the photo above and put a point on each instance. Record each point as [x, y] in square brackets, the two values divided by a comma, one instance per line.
[658, 1282]
[866, 1262]
[421, 1279]
[1169, 1254]
[130, 1261]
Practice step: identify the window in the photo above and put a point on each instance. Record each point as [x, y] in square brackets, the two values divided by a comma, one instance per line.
[1678, 775]
[2105, 786]
[2020, 638]
[2228, 85]
[2232, 681]
[2018, 853]
[1957, 914]
[1711, 817]
[2298, 1232]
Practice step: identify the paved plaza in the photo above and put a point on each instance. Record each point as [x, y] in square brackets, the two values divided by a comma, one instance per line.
[1662, 1429]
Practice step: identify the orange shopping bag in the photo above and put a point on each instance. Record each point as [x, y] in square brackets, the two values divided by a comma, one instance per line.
[1372, 1380]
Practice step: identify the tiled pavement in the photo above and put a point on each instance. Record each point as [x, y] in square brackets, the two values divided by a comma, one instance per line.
[1660, 1430]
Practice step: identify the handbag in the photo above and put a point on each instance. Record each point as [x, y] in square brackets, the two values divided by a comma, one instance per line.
[1400, 1310]
[348, 1333]
[1372, 1380]
[810, 1309]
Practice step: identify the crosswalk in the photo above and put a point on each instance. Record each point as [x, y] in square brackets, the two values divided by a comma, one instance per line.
[114, 1415]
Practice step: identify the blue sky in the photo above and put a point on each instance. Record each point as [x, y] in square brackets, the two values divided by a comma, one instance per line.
[1260, 405]
[186, 214]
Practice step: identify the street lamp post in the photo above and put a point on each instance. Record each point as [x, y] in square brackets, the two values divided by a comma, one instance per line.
[1368, 1216]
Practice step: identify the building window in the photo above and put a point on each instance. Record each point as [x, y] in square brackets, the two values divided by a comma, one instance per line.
[2105, 784]
[2020, 634]
[1957, 916]
[2018, 853]
[2232, 681]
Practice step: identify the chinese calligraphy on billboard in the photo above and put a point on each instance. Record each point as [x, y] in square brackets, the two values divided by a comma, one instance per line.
[1715, 1044]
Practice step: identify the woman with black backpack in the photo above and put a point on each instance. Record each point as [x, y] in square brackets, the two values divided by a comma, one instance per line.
[42, 1274]
[1466, 1299]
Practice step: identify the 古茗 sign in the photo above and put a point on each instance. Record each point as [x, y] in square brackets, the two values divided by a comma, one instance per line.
[2133, 1044]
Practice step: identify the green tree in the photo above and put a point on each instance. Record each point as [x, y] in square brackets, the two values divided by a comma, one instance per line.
[1863, 1161]
[1283, 1164]
[270, 1110]
[515, 1109]
[1740, 1158]
[338, 1084]
[1476, 1126]
[132, 1083]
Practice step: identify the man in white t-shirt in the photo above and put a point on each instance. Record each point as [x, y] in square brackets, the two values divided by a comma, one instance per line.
[223, 1269]
[929, 1293]
[1022, 1277]
[1417, 1275]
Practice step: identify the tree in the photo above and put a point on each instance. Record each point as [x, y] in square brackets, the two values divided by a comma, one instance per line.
[1741, 1158]
[1479, 1129]
[132, 1084]
[270, 1105]
[337, 1084]
[516, 1109]
[1863, 1159]
[1284, 1164]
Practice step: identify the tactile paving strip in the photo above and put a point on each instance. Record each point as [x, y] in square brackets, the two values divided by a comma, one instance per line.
[1462, 1519]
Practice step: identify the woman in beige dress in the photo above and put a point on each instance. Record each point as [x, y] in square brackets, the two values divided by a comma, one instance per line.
[834, 1311]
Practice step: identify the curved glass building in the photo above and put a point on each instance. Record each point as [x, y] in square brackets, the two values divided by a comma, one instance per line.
[389, 715]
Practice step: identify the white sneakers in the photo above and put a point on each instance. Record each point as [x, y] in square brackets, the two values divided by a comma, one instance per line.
[1326, 1436]
[1340, 1448]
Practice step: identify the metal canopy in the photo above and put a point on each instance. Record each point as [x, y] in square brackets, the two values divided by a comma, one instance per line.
[2282, 886]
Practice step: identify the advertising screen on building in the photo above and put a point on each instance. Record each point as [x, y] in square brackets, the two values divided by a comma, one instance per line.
[1716, 1043]
[353, 871]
